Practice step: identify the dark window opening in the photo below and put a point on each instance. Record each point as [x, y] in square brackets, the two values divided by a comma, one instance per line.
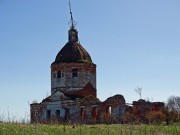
[94, 113]
[74, 73]
[67, 113]
[82, 113]
[48, 114]
[57, 114]
[59, 74]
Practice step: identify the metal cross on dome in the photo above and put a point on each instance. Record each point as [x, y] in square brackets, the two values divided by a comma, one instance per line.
[72, 23]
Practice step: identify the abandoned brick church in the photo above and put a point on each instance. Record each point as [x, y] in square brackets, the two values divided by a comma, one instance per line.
[73, 89]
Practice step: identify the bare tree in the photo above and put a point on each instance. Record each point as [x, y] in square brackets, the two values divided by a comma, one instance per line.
[138, 90]
[173, 103]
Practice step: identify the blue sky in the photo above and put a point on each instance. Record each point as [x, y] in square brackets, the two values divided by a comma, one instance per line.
[135, 43]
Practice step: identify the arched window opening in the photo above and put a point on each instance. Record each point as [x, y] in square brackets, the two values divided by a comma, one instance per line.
[94, 113]
[48, 114]
[74, 73]
[82, 113]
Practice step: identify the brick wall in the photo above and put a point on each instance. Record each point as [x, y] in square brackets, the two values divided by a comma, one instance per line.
[86, 74]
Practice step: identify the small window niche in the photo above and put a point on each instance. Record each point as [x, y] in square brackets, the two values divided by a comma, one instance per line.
[67, 114]
[58, 114]
[82, 113]
[74, 72]
[60, 74]
[48, 114]
[94, 113]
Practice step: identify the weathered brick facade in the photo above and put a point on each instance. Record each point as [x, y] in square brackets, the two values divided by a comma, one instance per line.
[86, 73]
[73, 90]
[141, 107]
[82, 110]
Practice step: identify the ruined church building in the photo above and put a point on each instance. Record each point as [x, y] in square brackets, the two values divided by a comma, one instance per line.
[73, 89]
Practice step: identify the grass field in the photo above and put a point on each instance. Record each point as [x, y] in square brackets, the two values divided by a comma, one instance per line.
[99, 129]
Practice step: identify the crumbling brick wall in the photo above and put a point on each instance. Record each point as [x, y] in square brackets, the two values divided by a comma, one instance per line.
[82, 110]
[141, 108]
[86, 74]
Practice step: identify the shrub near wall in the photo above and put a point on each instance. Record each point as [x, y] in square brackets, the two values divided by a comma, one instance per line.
[155, 117]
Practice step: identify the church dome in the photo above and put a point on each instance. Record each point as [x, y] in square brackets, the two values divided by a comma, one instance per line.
[72, 52]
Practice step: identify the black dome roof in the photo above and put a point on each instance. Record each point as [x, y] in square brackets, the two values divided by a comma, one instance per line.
[72, 52]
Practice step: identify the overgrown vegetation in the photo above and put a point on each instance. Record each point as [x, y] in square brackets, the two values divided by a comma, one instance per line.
[168, 114]
[165, 116]
[162, 122]
[99, 129]
[84, 61]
